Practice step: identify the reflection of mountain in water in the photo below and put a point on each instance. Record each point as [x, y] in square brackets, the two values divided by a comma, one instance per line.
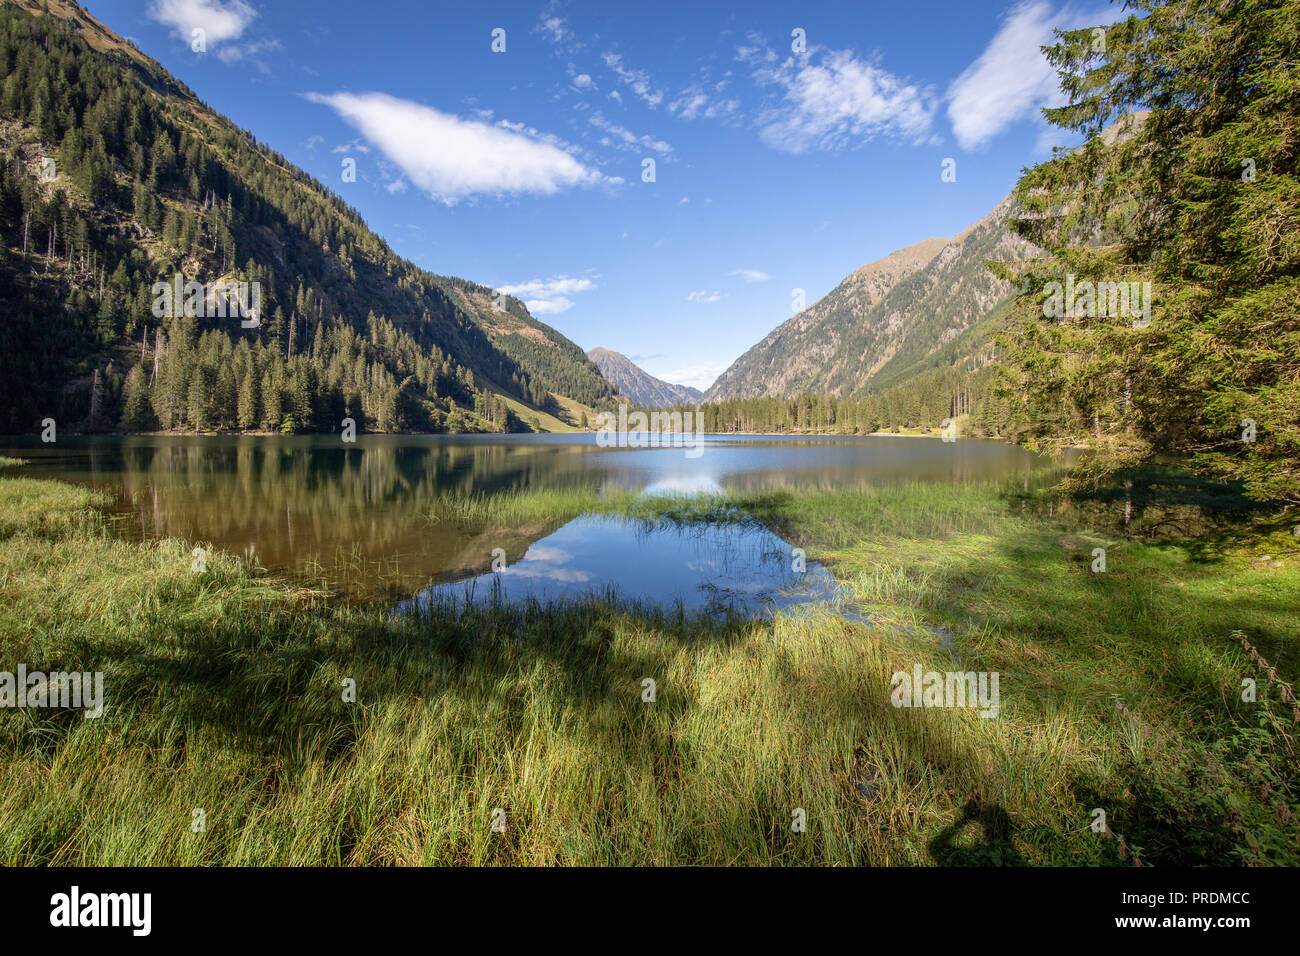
[704, 567]
[296, 502]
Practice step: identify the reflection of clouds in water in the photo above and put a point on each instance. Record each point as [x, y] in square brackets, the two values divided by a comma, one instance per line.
[705, 567]
[541, 563]
[683, 485]
[541, 552]
[542, 573]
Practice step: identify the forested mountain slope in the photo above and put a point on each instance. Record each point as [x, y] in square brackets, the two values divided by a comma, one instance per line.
[148, 183]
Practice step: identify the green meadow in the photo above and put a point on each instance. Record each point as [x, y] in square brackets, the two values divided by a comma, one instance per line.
[1120, 690]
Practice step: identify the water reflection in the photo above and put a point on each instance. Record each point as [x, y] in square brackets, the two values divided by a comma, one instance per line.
[711, 568]
[298, 502]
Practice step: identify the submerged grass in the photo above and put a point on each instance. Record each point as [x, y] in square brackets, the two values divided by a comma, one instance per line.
[224, 692]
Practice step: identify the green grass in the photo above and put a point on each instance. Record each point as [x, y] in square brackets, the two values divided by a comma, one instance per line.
[7, 462]
[223, 693]
[551, 507]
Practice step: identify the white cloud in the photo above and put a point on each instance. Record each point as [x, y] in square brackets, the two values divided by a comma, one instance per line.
[548, 306]
[696, 376]
[750, 275]
[452, 158]
[222, 22]
[548, 296]
[578, 81]
[703, 295]
[638, 80]
[1011, 79]
[830, 103]
[545, 288]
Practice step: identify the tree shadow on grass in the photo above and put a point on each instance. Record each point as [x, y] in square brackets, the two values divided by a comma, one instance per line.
[1205, 785]
[266, 681]
[1205, 517]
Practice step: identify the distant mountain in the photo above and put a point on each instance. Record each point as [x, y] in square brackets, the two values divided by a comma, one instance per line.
[145, 182]
[913, 310]
[638, 385]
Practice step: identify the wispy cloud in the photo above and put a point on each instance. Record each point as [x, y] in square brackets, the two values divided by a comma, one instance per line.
[619, 137]
[548, 296]
[452, 158]
[705, 97]
[694, 102]
[638, 80]
[555, 29]
[351, 146]
[1011, 80]
[750, 275]
[703, 295]
[830, 99]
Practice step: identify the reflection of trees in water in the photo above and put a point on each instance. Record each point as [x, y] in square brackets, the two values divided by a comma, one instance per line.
[294, 501]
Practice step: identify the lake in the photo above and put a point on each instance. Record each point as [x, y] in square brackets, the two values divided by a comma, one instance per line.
[357, 514]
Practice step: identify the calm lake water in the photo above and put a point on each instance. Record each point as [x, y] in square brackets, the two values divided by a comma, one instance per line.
[359, 512]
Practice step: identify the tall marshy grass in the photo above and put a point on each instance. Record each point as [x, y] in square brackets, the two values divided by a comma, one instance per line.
[225, 693]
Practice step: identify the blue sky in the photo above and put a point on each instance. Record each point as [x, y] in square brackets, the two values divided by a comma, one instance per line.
[782, 160]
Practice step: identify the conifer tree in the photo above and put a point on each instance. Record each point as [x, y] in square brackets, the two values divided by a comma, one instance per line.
[1187, 180]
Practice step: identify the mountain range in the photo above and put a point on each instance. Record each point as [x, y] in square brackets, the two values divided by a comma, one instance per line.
[638, 385]
[152, 183]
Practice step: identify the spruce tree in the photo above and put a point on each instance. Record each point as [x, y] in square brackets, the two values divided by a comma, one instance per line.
[1187, 180]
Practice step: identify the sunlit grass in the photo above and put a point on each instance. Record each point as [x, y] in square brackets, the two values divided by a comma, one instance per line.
[224, 692]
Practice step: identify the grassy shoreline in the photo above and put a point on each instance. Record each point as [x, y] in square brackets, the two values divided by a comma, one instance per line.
[223, 693]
